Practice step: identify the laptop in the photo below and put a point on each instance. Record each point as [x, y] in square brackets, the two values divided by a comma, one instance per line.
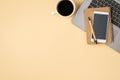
[79, 21]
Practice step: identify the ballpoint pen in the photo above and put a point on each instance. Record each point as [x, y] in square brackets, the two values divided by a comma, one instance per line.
[93, 33]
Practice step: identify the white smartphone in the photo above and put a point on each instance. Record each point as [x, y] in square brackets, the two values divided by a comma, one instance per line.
[100, 25]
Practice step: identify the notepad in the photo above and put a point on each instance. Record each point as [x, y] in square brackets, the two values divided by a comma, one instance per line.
[89, 12]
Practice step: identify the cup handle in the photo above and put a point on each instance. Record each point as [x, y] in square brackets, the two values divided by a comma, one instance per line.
[53, 12]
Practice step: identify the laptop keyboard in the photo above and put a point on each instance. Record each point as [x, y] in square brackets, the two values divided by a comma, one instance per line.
[115, 9]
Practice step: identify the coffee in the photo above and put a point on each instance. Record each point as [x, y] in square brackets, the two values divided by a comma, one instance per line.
[65, 7]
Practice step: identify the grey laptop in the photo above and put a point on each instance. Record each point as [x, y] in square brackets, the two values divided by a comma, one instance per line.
[78, 20]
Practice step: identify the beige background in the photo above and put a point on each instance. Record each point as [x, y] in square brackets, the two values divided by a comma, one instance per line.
[37, 46]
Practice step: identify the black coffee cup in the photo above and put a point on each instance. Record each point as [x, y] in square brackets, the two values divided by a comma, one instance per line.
[65, 8]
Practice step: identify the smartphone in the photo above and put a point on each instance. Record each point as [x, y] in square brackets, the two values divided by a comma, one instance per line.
[100, 25]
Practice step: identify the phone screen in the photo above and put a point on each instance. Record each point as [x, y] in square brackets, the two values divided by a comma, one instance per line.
[100, 24]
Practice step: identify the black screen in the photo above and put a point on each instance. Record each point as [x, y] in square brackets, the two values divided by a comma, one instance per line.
[100, 25]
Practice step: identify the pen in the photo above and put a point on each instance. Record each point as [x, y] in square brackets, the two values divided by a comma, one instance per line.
[95, 40]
